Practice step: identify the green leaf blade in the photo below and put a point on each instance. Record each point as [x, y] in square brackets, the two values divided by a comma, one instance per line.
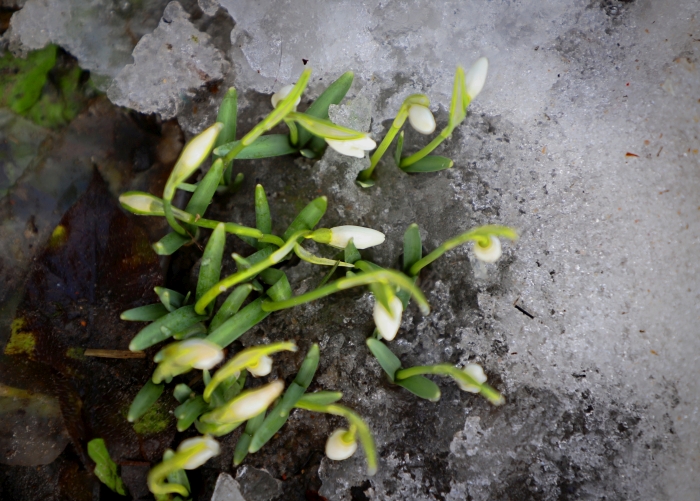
[430, 163]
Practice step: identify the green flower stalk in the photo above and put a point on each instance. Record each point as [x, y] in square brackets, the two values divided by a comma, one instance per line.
[414, 108]
[464, 90]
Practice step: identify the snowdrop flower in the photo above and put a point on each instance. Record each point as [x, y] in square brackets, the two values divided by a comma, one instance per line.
[192, 156]
[388, 323]
[178, 358]
[361, 237]
[262, 367]
[352, 147]
[246, 405]
[490, 253]
[281, 94]
[476, 77]
[197, 451]
[421, 119]
[475, 372]
[340, 445]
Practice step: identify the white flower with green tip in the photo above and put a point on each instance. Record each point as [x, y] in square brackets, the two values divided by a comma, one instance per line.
[197, 451]
[281, 94]
[361, 237]
[341, 444]
[388, 322]
[475, 372]
[421, 119]
[476, 77]
[262, 367]
[491, 253]
[246, 405]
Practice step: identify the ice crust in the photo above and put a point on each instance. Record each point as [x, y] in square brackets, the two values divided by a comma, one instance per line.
[170, 65]
[586, 139]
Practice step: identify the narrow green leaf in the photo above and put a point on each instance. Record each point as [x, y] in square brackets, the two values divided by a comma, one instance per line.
[201, 198]
[105, 468]
[172, 300]
[280, 289]
[328, 275]
[421, 386]
[318, 145]
[182, 393]
[189, 411]
[236, 183]
[412, 247]
[231, 305]
[431, 163]
[279, 414]
[321, 397]
[196, 330]
[334, 94]
[210, 265]
[386, 358]
[243, 443]
[263, 218]
[170, 243]
[145, 398]
[399, 150]
[308, 218]
[352, 255]
[146, 313]
[165, 327]
[270, 145]
[238, 324]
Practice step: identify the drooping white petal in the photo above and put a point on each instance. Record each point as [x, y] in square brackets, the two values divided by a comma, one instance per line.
[475, 372]
[476, 77]
[421, 119]
[337, 448]
[262, 368]
[205, 447]
[388, 323]
[491, 253]
[362, 237]
[353, 147]
[281, 94]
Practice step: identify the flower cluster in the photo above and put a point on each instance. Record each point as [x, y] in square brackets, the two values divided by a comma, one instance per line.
[203, 325]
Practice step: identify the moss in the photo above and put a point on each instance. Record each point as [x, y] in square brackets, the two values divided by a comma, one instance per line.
[75, 352]
[58, 237]
[154, 421]
[21, 342]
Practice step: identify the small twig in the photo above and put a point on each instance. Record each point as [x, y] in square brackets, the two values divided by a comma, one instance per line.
[90, 352]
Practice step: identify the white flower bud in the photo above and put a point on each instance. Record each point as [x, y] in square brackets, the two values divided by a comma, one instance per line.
[281, 94]
[336, 446]
[491, 253]
[142, 203]
[388, 323]
[421, 119]
[246, 405]
[192, 156]
[262, 367]
[362, 237]
[197, 353]
[199, 450]
[476, 77]
[352, 147]
[477, 374]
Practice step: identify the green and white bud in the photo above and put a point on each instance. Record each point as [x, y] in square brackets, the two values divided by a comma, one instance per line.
[475, 372]
[476, 77]
[421, 119]
[388, 322]
[340, 236]
[194, 452]
[178, 358]
[281, 94]
[353, 147]
[262, 367]
[246, 405]
[143, 204]
[192, 156]
[341, 444]
[491, 252]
